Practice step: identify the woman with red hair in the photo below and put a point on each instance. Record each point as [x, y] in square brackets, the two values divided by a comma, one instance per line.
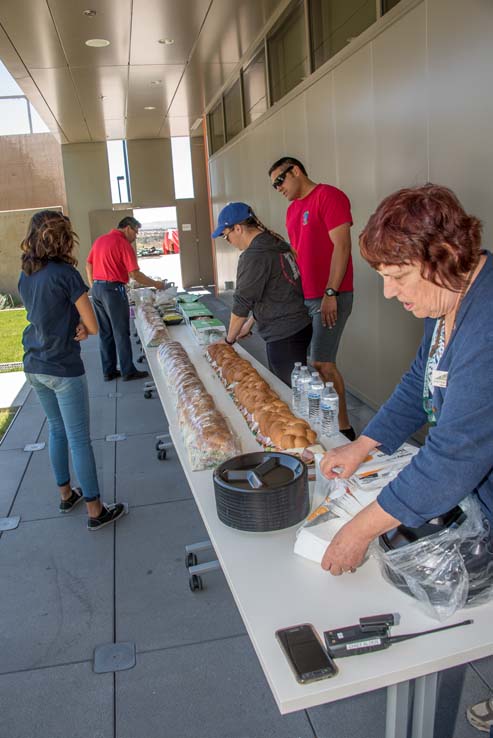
[427, 250]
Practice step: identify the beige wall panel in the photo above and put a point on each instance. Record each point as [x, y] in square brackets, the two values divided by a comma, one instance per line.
[461, 103]
[401, 100]
[320, 158]
[13, 229]
[263, 150]
[355, 167]
[401, 134]
[88, 188]
[226, 257]
[293, 128]
[151, 173]
[204, 251]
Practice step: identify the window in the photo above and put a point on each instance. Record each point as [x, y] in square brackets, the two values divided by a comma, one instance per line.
[288, 53]
[233, 111]
[255, 88]
[388, 4]
[334, 23]
[216, 128]
[182, 167]
[17, 115]
[118, 165]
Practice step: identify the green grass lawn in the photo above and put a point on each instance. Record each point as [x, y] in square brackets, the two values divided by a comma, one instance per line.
[12, 323]
[6, 417]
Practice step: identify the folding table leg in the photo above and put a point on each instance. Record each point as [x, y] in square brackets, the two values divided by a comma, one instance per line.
[397, 711]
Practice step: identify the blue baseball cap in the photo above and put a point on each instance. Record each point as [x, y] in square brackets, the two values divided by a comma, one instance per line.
[230, 215]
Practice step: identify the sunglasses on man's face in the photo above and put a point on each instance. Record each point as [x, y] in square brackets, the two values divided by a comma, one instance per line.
[279, 180]
[226, 235]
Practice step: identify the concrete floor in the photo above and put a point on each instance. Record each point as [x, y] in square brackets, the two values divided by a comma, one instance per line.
[65, 591]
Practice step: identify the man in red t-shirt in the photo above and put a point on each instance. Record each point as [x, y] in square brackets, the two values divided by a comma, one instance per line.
[110, 263]
[318, 222]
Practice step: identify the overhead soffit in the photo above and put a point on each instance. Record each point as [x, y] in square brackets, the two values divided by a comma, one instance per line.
[92, 94]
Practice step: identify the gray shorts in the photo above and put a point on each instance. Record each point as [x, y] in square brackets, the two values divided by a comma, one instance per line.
[325, 341]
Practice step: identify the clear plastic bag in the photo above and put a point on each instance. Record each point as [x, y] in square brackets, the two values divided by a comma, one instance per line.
[448, 570]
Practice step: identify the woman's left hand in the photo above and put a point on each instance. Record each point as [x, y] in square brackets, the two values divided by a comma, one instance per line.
[81, 332]
[346, 551]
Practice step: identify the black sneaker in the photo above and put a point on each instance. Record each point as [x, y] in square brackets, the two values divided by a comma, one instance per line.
[136, 374]
[74, 499]
[109, 514]
[349, 433]
[111, 375]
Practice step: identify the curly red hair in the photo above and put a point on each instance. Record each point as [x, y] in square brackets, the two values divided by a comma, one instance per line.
[428, 226]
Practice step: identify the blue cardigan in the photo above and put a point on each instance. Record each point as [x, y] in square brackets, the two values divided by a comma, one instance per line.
[457, 457]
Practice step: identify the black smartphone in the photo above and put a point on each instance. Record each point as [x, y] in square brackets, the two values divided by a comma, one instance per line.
[308, 658]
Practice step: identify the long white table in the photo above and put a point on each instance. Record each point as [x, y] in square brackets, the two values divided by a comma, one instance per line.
[273, 588]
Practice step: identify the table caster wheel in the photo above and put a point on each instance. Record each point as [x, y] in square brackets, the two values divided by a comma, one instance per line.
[195, 582]
[148, 394]
[161, 454]
[191, 560]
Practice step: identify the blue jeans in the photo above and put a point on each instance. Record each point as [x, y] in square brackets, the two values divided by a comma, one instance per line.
[65, 401]
[113, 314]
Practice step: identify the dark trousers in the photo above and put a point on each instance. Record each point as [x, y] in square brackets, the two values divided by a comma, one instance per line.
[282, 354]
[113, 315]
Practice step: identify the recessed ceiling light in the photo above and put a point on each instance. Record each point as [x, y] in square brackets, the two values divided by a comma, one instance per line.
[97, 43]
[156, 82]
[167, 41]
[89, 13]
[149, 107]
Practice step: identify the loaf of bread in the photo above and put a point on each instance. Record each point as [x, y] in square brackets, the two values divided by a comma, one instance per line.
[153, 330]
[270, 417]
[206, 434]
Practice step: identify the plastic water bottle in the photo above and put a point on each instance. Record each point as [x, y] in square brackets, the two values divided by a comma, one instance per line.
[295, 397]
[303, 383]
[329, 410]
[314, 394]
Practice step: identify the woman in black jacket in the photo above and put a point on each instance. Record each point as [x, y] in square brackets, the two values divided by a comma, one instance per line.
[268, 290]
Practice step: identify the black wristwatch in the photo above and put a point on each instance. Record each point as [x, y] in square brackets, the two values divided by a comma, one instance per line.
[229, 343]
[331, 293]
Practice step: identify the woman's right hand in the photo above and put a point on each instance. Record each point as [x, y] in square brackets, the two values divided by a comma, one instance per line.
[344, 460]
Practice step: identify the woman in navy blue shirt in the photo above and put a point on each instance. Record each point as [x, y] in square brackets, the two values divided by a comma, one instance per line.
[60, 315]
[428, 251]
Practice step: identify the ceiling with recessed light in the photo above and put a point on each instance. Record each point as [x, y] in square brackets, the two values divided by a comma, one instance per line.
[165, 62]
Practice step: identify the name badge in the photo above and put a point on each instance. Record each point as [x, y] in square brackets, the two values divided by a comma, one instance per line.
[439, 379]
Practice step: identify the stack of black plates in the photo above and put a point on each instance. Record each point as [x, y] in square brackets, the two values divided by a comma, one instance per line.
[262, 491]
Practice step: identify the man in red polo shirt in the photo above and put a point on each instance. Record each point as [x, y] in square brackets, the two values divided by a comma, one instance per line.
[110, 264]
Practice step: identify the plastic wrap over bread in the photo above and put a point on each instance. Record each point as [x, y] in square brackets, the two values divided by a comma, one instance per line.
[267, 415]
[153, 330]
[206, 434]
